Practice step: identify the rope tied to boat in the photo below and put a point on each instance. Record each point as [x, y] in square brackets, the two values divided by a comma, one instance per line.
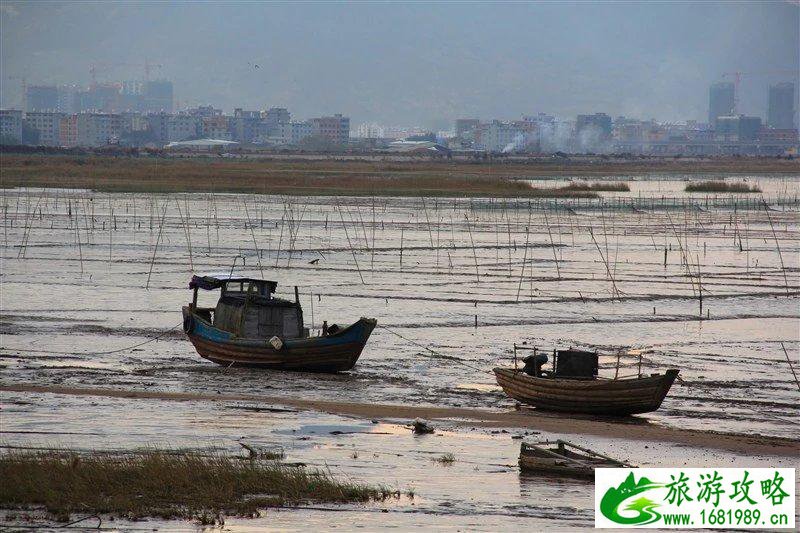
[434, 353]
[148, 341]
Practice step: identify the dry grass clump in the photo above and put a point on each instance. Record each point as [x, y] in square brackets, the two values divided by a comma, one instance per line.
[166, 485]
[446, 459]
[720, 186]
[612, 186]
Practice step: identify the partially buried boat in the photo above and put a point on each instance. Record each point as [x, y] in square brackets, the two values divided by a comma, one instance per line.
[573, 385]
[562, 458]
[251, 327]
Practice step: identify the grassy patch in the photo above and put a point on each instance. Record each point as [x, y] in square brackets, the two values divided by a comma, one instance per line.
[292, 177]
[720, 186]
[446, 459]
[612, 186]
[165, 485]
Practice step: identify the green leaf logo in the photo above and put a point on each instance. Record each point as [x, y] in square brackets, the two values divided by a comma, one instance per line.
[645, 508]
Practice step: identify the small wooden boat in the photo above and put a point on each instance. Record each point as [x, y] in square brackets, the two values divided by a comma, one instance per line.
[251, 327]
[574, 387]
[564, 459]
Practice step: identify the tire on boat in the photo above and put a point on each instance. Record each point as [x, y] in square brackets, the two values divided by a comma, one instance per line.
[188, 323]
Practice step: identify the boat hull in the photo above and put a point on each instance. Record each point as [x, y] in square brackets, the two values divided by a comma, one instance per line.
[602, 397]
[554, 467]
[329, 353]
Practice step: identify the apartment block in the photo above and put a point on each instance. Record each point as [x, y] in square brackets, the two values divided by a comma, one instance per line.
[182, 127]
[47, 125]
[300, 131]
[335, 128]
[98, 129]
[11, 125]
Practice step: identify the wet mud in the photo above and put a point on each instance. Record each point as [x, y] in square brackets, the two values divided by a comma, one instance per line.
[86, 272]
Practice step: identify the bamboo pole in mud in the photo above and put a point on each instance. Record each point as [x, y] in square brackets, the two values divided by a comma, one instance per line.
[280, 237]
[5, 220]
[293, 234]
[700, 287]
[185, 226]
[474, 253]
[508, 231]
[428, 221]
[401, 248]
[158, 240]
[29, 219]
[311, 295]
[372, 248]
[208, 223]
[791, 367]
[253, 235]
[777, 246]
[683, 254]
[78, 238]
[552, 244]
[110, 216]
[615, 291]
[351, 247]
[438, 236]
[525, 255]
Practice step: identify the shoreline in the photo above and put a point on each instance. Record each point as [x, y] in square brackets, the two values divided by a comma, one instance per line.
[469, 417]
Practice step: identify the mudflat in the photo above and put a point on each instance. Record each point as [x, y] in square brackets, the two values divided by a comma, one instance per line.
[522, 419]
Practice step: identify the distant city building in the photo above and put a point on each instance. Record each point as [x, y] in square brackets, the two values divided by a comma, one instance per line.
[157, 96]
[780, 108]
[204, 111]
[300, 131]
[41, 98]
[369, 131]
[599, 122]
[182, 127]
[11, 126]
[47, 125]
[721, 98]
[273, 118]
[136, 121]
[103, 98]
[216, 127]
[737, 128]
[335, 129]
[68, 101]
[777, 135]
[159, 126]
[465, 127]
[98, 129]
[498, 136]
[244, 125]
[68, 131]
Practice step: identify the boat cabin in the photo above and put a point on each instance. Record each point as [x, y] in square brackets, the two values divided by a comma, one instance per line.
[572, 364]
[248, 308]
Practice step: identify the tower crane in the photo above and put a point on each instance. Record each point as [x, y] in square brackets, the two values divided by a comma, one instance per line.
[737, 78]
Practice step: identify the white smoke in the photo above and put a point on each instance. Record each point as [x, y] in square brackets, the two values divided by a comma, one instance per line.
[518, 143]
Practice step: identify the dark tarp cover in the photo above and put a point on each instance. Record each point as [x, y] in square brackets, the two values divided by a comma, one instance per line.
[210, 283]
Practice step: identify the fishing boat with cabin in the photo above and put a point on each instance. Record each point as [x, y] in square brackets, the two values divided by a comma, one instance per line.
[251, 327]
[573, 385]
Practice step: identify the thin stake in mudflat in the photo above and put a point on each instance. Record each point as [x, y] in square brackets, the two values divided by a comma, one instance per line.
[351, 247]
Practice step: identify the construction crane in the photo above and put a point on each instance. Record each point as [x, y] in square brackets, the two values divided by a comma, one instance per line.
[100, 66]
[737, 78]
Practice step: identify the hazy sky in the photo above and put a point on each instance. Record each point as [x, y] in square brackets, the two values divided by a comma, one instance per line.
[414, 63]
